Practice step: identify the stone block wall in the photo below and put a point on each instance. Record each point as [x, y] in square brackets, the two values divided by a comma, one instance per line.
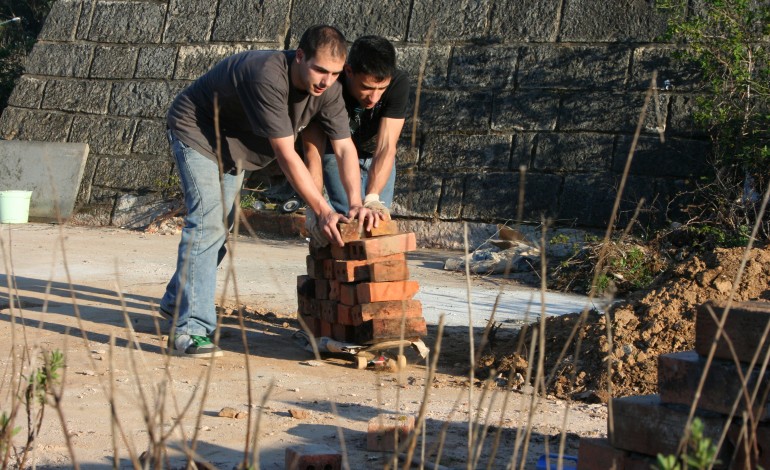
[555, 87]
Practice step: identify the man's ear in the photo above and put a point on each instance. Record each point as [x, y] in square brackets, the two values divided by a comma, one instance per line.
[300, 55]
[348, 70]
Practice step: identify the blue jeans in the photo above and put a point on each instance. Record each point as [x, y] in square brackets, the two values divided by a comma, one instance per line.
[338, 198]
[192, 289]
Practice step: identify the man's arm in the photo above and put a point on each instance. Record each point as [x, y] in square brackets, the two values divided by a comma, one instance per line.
[314, 145]
[384, 154]
[301, 180]
[350, 176]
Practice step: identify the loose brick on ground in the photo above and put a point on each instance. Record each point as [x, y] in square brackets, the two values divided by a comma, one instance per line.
[745, 325]
[386, 432]
[313, 456]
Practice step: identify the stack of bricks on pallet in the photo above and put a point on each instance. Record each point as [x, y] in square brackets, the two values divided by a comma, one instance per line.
[361, 292]
[645, 426]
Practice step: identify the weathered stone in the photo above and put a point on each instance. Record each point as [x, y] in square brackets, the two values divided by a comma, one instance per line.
[150, 138]
[546, 66]
[61, 21]
[127, 22]
[674, 157]
[85, 190]
[105, 135]
[450, 153]
[143, 99]
[580, 152]
[59, 60]
[745, 326]
[417, 195]
[84, 96]
[194, 61]
[451, 203]
[131, 173]
[466, 19]
[247, 20]
[524, 20]
[28, 92]
[483, 67]
[156, 62]
[597, 20]
[433, 62]
[84, 22]
[495, 196]
[653, 195]
[534, 110]
[523, 145]
[189, 20]
[588, 198]
[114, 61]
[406, 155]
[617, 112]
[454, 111]
[354, 19]
[671, 71]
[132, 211]
[25, 124]
[682, 117]
[450, 235]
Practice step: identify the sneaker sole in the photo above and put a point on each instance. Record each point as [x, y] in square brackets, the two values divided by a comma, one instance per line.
[175, 352]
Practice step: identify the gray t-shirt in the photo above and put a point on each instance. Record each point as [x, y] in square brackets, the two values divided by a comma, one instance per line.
[256, 102]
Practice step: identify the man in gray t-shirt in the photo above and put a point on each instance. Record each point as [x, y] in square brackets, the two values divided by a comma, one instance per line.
[248, 110]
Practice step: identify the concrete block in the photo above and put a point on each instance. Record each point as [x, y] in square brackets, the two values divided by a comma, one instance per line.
[130, 173]
[395, 309]
[379, 330]
[59, 60]
[436, 58]
[579, 152]
[313, 457]
[535, 110]
[683, 76]
[495, 196]
[483, 67]
[676, 157]
[746, 323]
[582, 67]
[467, 19]
[114, 61]
[156, 62]
[61, 22]
[598, 21]
[386, 432]
[679, 375]
[448, 111]
[244, 20]
[417, 195]
[84, 96]
[127, 22]
[378, 247]
[189, 21]
[143, 99]
[465, 152]
[642, 424]
[611, 112]
[52, 171]
[452, 198]
[194, 61]
[588, 198]
[104, 135]
[524, 21]
[150, 138]
[388, 19]
[28, 92]
[26, 124]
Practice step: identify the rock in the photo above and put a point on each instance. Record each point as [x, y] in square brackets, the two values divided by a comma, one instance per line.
[297, 413]
[228, 412]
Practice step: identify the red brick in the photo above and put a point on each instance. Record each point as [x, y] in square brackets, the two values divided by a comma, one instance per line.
[598, 454]
[351, 232]
[386, 432]
[328, 310]
[394, 309]
[348, 294]
[324, 252]
[378, 247]
[642, 424]
[376, 331]
[312, 324]
[679, 375]
[745, 324]
[386, 271]
[312, 456]
[367, 292]
[305, 286]
[385, 227]
[328, 269]
[358, 270]
[343, 333]
[322, 289]
[339, 252]
[315, 267]
[324, 329]
[307, 306]
[334, 290]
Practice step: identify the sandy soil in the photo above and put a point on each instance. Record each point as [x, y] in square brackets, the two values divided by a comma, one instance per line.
[90, 293]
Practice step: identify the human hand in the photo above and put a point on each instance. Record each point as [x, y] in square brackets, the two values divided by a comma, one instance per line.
[372, 202]
[328, 226]
[317, 237]
[367, 218]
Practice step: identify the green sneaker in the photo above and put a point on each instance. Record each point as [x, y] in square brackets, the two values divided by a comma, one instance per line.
[193, 346]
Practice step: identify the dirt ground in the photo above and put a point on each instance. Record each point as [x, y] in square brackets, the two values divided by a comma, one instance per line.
[646, 324]
[91, 293]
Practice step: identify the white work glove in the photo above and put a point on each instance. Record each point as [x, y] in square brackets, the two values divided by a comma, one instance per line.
[372, 202]
[317, 237]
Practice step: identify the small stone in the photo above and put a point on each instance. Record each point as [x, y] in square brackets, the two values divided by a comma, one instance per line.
[297, 413]
[312, 363]
[229, 412]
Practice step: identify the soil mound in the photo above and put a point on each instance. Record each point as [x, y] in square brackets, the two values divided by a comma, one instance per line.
[647, 324]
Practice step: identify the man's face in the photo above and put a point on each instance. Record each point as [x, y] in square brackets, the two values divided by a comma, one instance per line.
[365, 88]
[316, 75]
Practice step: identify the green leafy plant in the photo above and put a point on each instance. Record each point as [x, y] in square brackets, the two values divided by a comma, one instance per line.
[701, 453]
[727, 40]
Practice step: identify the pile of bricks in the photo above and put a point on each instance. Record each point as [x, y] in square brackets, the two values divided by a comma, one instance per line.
[361, 292]
[645, 426]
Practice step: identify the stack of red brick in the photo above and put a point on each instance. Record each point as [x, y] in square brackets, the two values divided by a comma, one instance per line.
[645, 426]
[361, 292]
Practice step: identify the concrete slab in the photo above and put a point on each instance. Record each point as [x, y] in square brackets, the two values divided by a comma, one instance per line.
[51, 170]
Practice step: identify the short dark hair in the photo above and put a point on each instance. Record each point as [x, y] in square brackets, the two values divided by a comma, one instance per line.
[321, 35]
[373, 55]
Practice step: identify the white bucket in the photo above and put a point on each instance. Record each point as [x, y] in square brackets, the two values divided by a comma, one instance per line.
[14, 207]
